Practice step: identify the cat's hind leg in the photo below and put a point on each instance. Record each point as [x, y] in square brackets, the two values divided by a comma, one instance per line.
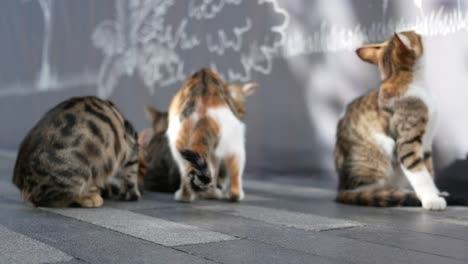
[235, 166]
[365, 174]
[55, 190]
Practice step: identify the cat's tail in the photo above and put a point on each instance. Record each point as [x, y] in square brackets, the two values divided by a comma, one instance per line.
[390, 197]
[199, 172]
[381, 197]
[454, 200]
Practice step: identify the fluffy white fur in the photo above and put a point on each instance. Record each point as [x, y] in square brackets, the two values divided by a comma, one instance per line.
[385, 142]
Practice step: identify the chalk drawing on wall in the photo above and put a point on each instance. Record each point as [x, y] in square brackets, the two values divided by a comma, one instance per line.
[431, 21]
[145, 39]
[47, 79]
[142, 39]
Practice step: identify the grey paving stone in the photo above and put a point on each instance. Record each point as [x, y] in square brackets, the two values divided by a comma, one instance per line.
[146, 202]
[17, 248]
[164, 200]
[148, 228]
[451, 213]
[283, 217]
[316, 243]
[287, 190]
[418, 221]
[73, 261]
[437, 245]
[246, 251]
[87, 242]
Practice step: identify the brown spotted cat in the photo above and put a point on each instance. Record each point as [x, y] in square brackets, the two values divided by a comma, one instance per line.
[78, 148]
[206, 129]
[383, 149]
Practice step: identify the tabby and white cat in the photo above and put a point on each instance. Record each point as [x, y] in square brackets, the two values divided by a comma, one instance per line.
[74, 151]
[206, 129]
[383, 149]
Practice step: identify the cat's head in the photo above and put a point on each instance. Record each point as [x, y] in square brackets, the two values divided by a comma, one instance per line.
[159, 120]
[159, 123]
[402, 52]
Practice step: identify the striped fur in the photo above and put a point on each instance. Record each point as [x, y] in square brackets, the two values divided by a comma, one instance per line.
[379, 197]
[76, 150]
[384, 140]
[205, 130]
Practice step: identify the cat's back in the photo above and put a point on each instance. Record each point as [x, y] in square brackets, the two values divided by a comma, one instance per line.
[76, 133]
[361, 116]
[202, 91]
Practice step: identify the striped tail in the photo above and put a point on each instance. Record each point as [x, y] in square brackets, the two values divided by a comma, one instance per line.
[198, 173]
[378, 198]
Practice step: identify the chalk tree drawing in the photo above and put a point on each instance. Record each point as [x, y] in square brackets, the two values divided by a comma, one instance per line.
[47, 79]
[154, 39]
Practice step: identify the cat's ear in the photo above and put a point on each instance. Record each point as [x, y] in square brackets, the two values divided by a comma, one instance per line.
[157, 118]
[249, 88]
[151, 113]
[402, 42]
[145, 137]
[369, 53]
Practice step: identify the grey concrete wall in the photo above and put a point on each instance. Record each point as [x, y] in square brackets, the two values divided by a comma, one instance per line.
[300, 52]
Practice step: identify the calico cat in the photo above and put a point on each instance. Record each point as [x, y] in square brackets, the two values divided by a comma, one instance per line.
[162, 173]
[206, 129]
[383, 153]
[76, 149]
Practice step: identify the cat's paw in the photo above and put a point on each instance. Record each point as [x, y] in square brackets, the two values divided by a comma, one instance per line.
[90, 200]
[213, 193]
[180, 196]
[110, 190]
[130, 195]
[236, 196]
[434, 203]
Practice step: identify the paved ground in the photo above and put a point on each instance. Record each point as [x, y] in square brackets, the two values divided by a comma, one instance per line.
[277, 223]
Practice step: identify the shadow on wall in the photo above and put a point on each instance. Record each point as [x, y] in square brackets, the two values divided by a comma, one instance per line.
[333, 78]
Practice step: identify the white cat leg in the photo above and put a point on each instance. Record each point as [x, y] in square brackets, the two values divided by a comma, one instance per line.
[425, 189]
